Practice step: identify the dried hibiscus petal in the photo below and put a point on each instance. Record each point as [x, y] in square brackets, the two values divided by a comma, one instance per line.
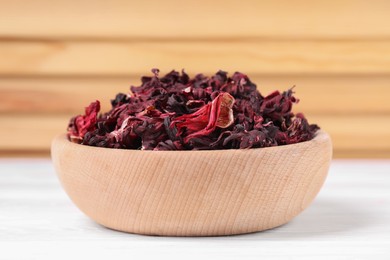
[81, 124]
[218, 113]
[176, 112]
[277, 106]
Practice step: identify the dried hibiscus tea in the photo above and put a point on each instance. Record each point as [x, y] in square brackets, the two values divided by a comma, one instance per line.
[176, 112]
[80, 125]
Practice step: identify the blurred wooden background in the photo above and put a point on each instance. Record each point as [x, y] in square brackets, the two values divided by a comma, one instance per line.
[57, 56]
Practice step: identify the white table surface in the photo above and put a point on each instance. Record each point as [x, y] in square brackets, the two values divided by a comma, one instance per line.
[350, 219]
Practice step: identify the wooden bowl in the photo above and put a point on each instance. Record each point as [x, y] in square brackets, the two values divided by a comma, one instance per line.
[193, 193]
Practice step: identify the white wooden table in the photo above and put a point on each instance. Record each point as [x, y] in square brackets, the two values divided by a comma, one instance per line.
[350, 219]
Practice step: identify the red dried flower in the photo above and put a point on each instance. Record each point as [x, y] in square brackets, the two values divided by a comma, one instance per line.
[218, 113]
[80, 125]
[176, 112]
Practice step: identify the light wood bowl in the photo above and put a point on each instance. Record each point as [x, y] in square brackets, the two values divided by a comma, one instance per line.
[193, 193]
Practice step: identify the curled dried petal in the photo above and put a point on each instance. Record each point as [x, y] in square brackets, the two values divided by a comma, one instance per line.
[82, 124]
[176, 112]
[218, 113]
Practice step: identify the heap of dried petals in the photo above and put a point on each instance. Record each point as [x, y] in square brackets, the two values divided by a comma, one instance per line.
[175, 112]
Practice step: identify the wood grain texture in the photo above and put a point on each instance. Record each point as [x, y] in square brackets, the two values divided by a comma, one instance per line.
[193, 193]
[77, 58]
[194, 19]
[354, 132]
[343, 105]
[34, 133]
[56, 58]
[349, 219]
[339, 154]
[318, 94]
[349, 133]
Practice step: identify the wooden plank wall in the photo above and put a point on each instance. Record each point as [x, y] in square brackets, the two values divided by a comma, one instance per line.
[57, 57]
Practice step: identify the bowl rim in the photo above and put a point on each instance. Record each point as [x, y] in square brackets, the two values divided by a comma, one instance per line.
[320, 136]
